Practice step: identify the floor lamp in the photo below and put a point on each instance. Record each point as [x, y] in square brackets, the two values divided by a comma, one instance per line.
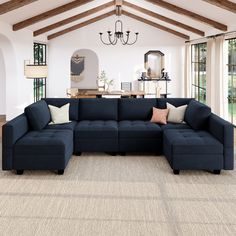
[36, 72]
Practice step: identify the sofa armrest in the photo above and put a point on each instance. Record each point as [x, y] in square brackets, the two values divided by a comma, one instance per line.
[224, 132]
[11, 132]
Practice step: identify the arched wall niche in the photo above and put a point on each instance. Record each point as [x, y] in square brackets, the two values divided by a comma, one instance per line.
[84, 69]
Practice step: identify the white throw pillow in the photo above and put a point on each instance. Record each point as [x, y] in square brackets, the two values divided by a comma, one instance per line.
[59, 115]
[176, 114]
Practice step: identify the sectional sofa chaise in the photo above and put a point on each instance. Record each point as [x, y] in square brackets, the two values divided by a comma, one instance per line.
[118, 126]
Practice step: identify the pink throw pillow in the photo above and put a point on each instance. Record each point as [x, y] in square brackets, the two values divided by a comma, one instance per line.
[159, 115]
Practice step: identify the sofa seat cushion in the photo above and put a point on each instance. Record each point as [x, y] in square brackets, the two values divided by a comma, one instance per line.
[175, 126]
[71, 126]
[188, 141]
[139, 129]
[96, 129]
[46, 142]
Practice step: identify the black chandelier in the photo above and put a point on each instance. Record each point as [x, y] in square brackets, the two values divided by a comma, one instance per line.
[119, 35]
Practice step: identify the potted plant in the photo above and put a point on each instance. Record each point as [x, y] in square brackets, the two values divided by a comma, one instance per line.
[104, 81]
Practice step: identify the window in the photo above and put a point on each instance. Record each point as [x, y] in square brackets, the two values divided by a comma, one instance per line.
[40, 58]
[198, 64]
[232, 80]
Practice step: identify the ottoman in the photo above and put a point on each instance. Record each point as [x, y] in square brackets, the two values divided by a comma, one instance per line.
[43, 150]
[187, 149]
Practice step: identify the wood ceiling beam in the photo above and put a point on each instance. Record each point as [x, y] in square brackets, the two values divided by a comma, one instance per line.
[151, 23]
[163, 18]
[48, 14]
[118, 4]
[73, 18]
[188, 13]
[13, 5]
[80, 25]
[225, 4]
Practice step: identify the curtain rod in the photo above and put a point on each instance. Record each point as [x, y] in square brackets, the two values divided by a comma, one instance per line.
[211, 36]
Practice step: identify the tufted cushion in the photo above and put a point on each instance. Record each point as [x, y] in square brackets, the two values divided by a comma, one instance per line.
[45, 142]
[196, 115]
[38, 115]
[71, 126]
[98, 109]
[59, 102]
[188, 141]
[96, 129]
[139, 129]
[136, 109]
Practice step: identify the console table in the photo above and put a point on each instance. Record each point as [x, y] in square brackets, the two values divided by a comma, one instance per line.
[100, 94]
[148, 86]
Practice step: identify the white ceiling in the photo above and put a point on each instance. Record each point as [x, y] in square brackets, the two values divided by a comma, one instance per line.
[198, 6]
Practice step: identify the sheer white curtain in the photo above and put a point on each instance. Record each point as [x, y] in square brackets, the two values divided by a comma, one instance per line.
[187, 71]
[217, 84]
[210, 72]
[221, 79]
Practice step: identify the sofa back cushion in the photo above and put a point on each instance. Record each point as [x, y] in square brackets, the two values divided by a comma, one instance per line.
[38, 115]
[136, 109]
[98, 109]
[197, 114]
[161, 102]
[59, 102]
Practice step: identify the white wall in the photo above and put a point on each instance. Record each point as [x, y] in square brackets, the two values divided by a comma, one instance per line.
[121, 63]
[16, 47]
[2, 86]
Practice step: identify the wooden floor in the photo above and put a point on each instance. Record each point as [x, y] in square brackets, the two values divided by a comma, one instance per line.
[2, 118]
[2, 121]
[1, 124]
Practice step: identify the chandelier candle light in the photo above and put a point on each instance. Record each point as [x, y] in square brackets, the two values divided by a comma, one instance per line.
[119, 35]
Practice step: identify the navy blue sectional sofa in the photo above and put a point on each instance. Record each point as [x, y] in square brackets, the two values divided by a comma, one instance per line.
[117, 126]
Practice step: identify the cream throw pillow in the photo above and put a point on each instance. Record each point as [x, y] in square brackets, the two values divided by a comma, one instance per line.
[59, 115]
[176, 114]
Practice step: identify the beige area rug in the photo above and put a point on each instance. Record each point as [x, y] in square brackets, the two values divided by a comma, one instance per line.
[108, 196]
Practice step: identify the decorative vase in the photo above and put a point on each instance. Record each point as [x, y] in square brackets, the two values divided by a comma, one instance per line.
[106, 87]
